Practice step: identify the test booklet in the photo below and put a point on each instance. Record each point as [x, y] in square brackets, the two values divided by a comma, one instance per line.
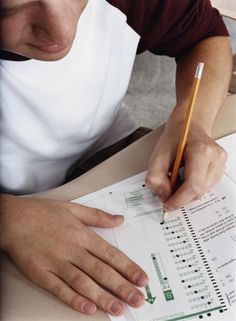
[190, 259]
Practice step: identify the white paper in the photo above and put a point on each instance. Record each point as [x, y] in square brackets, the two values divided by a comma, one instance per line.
[182, 273]
[190, 260]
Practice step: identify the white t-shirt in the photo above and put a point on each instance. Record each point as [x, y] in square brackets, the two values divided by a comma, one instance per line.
[53, 113]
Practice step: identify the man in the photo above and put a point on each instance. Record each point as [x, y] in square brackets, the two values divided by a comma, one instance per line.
[65, 70]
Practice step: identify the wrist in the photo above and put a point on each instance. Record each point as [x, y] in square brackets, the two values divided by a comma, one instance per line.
[201, 122]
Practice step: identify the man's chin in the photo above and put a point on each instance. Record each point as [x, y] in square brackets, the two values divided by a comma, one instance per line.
[33, 52]
[48, 55]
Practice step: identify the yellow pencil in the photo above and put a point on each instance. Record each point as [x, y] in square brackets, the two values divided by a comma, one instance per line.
[185, 130]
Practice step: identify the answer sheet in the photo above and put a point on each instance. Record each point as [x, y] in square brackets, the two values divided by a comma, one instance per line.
[190, 260]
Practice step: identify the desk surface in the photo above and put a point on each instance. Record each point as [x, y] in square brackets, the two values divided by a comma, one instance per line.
[226, 7]
[21, 300]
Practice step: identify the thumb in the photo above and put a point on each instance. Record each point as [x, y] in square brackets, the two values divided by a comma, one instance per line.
[95, 217]
[157, 178]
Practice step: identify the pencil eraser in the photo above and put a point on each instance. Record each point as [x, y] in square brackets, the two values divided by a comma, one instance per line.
[199, 70]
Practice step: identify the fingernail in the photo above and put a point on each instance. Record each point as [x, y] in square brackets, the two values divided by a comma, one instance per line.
[135, 298]
[140, 279]
[88, 308]
[119, 217]
[116, 308]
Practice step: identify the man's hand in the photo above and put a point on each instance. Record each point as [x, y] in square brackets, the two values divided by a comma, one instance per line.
[52, 245]
[204, 164]
[204, 160]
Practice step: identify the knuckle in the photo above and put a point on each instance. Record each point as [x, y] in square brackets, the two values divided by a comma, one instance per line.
[222, 156]
[123, 289]
[102, 300]
[59, 291]
[111, 252]
[96, 216]
[100, 268]
[99, 216]
[198, 196]
[196, 188]
[75, 301]
[100, 213]
[78, 281]
[202, 148]
[151, 181]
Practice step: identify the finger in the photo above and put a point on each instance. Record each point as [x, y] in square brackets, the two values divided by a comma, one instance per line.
[195, 180]
[89, 289]
[157, 178]
[213, 176]
[217, 167]
[110, 279]
[215, 172]
[62, 291]
[181, 197]
[95, 217]
[118, 260]
[195, 187]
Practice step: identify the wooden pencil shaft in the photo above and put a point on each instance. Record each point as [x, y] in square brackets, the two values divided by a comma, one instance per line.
[185, 130]
[184, 134]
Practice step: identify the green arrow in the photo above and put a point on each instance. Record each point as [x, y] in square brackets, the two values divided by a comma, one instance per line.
[150, 299]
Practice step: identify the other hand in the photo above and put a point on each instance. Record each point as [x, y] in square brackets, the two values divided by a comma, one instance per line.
[51, 243]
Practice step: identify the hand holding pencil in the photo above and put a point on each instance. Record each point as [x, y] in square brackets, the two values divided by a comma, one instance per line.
[185, 142]
[185, 130]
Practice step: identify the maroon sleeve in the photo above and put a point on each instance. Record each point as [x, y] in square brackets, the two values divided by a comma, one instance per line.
[171, 27]
[167, 27]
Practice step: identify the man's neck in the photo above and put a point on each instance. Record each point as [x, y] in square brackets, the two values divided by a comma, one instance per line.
[7, 55]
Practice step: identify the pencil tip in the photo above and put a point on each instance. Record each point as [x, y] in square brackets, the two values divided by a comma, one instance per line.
[164, 217]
